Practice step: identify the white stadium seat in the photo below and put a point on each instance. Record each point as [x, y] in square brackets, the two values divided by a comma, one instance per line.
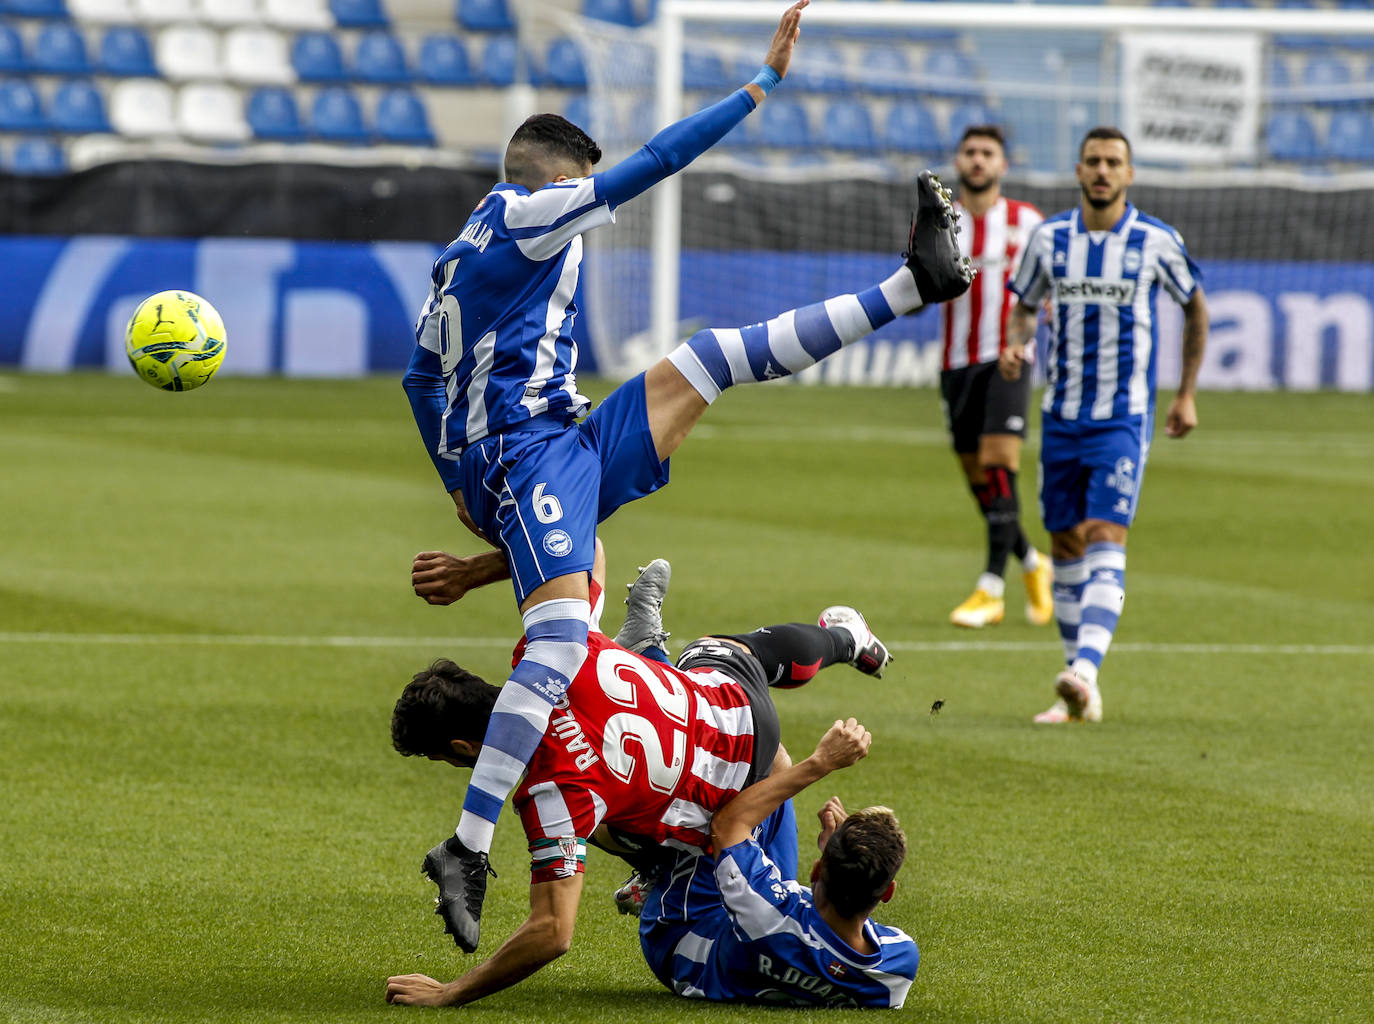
[207, 112]
[113, 12]
[161, 11]
[229, 12]
[297, 14]
[257, 56]
[142, 107]
[186, 52]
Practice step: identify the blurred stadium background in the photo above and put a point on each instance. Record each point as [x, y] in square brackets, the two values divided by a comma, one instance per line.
[300, 162]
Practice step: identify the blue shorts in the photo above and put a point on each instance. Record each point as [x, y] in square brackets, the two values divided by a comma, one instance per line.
[538, 491]
[1092, 470]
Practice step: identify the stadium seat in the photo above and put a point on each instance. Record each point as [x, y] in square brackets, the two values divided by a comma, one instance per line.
[188, 52]
[11, 50]
[563, 64]
[303, 15]
[105, 12]
[500, 58]
[336, 117]
[165, 11]
[401, 117]
[1350, 136]
[379, 58]
[211, 112]
[784, 123]
[443, 61]
[142, 107]
[228, 13]
[37, 156]
[485, 15]
[911, 127]
[848, 125]
[1279, 76]
[821, 67]
[358, 13]
[962, 116]
[950, 73]
[124, 50]
[37, 8]
[1329, 78]
[703, 69]
[20, 108]
[1243, 5]
[59, 50]
[316, 58]
[77, 108]
[579, 112]
[886, 69]
[273, 115]
[257, 56]
[1289, 135]
[618, 12]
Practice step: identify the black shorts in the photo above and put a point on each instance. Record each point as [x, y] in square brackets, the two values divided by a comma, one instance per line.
[744, 667]
[978, 400]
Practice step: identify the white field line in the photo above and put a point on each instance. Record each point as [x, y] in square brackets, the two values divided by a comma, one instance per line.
[919, 647]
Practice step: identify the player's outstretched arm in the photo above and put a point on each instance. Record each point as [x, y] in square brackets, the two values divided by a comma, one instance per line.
[1182, 415]
[544, 937]
[779, 56]
[844, 744]
[440, 578]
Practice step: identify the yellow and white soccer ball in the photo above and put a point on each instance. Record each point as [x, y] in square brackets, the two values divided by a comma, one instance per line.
[175, 340]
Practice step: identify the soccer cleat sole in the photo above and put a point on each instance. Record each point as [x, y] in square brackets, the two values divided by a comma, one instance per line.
[933, 247]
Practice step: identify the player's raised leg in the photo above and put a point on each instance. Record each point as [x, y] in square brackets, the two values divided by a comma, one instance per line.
[642, 631]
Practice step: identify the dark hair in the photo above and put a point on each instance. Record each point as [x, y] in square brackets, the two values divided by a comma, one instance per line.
[1105, 132]
[544, 147]
[861, 860]
[986, 131]
[441, 704]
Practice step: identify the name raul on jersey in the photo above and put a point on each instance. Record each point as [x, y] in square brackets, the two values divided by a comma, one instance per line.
[1094, 289]
[477, 234]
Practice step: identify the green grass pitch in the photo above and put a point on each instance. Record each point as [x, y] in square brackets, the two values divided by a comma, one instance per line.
[205, 618]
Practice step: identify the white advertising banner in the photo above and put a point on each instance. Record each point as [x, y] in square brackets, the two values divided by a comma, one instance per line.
[1191, 98]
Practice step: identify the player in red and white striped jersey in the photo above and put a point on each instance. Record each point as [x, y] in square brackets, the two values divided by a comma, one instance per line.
[986, 415]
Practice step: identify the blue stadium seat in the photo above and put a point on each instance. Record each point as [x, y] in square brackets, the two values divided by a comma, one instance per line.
[1289, 135]
[784, 123]
[124, 50]
[848, 125]
[35, 157]
[401, 117]
[59, 50]
[336, 117]
[500, 60]
[563, 64]
[886, 69]
[1243, 5]
[358, 13]
[20, 108]
[1330, 77]
[702, 69]
[443, 60]
[77, 108]
[1351, 136]
[317, 58]
[579, 112]
[1299, 41]
[272, 114]
[379, 58]
[11, 50]
[911, 128]
[618, 12]
[1172, 3]
[37, 8]
[1279, 75]
[820, 67]
[485, 15]
[964, 115]
[950, 73]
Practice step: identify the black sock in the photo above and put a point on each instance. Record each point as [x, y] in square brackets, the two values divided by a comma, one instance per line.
[794, 652]
[1003, 513]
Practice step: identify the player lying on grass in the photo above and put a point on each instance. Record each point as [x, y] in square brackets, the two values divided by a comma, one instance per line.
[735, 926]
[634, 745]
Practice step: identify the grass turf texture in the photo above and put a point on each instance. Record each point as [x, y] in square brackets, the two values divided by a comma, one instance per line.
[214, 828]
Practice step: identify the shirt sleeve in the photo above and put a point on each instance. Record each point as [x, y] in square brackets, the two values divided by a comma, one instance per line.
[1178, 273]
[544, 221]
[557, 820]
[1031, 282]
[759, 901]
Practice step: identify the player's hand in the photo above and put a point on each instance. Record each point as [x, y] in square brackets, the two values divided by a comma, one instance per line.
[1182, 416]
[1011, 361]
[842, 745]
[441, 578]
[415, 990]
[785, 38]
[831, 815]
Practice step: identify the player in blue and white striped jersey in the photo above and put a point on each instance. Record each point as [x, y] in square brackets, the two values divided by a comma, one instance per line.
[737, 927]
[1101, 266]
[492, 387]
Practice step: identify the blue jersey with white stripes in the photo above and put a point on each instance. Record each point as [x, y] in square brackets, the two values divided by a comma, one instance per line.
[1103, 288]
[738, 928]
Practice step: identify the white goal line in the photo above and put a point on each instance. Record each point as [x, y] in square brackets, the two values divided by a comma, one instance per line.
[915, 646]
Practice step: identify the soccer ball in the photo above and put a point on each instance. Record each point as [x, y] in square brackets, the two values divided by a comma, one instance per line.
[175, 341]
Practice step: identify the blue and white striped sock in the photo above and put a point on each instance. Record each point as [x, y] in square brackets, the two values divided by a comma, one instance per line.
[1103, 596]
[1069, 577]
[556, 646]
[717, 358]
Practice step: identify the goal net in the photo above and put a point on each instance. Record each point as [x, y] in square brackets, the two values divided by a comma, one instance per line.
[1252, 131]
